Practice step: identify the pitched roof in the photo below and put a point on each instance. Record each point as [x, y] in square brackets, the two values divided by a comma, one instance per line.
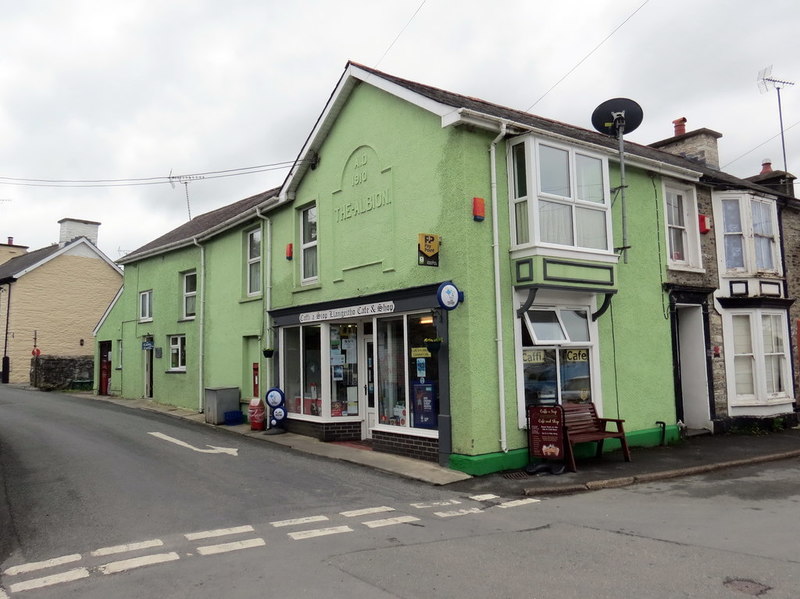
[10, 269]
[204, 226]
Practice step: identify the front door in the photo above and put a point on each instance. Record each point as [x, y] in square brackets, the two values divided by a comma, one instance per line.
[368, 388]
[105, 367]
[694, 404]
[148, 367]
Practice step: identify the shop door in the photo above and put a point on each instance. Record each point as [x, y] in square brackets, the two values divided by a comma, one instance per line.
[148, 367]
[105, 367]
[368, 388]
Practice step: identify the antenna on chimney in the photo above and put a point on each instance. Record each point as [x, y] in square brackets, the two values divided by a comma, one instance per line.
[765, 81]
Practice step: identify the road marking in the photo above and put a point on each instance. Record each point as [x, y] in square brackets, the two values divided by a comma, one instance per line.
[138, 562]
[518, 502]
[3, 594]
[486, 497]
[220, 532]
[297, 521]
[214, 448]
[50, 563]
[226, 547]
[366, 511]
[125, 548]
[319, 532]
[436, 503]
[390, 521]
[46, 581]
[461, 512]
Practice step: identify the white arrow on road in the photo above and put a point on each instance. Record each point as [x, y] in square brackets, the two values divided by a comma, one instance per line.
[229, 450]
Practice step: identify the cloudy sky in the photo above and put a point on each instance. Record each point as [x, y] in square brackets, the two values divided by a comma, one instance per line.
[98, 90]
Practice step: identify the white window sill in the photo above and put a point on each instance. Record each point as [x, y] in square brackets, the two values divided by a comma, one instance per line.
[686, 268]
[521, 251]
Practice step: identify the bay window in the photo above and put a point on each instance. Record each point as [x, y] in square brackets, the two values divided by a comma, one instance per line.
[749, 233]
[570, 205]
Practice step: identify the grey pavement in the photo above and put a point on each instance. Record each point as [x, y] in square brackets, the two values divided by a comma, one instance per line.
[694, 455]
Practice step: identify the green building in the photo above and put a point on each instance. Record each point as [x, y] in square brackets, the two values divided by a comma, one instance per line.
[432, 265]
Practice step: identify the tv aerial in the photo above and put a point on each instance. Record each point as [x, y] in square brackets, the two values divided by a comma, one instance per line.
[765, 81]
[616, 117]
[185, 180]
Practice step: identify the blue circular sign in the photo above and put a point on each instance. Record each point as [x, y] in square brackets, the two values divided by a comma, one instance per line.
[448, 295]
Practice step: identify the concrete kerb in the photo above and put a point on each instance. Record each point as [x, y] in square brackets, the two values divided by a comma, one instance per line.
[613, 483]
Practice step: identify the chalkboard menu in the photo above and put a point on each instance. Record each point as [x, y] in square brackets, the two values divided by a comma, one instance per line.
[546, 432]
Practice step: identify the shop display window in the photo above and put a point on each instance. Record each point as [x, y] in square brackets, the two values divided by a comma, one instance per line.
[344, 369]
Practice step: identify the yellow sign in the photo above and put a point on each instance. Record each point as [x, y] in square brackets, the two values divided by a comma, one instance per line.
[576, 355]
[533, 356]
[428, 249]
[420, 352]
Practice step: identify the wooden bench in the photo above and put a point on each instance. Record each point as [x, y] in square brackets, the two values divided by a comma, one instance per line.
[583, 425]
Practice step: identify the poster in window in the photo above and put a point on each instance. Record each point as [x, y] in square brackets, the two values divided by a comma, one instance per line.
[425, 410]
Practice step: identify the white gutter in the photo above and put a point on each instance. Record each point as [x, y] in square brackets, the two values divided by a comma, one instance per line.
[498, 308]
[201, 285]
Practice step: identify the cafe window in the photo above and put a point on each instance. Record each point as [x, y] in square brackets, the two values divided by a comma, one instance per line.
[344, 369]
[302, 375]
[556, 356]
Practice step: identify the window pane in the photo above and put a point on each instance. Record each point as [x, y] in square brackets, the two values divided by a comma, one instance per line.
[344, 369]
[731, 216]
[743, 367]
[591, 228]
[742, 343]
[541, 382]
[675, 209]
[555, 222]
[762, 218]
[254, 278]
[774, 374]
[545, 325]
[190, 285]
[189, 308]
[521, 222]
[772, 334]
[576, 323]
[734, 251]
[677, 244]
[310, 262]
[291, 369]
[391, 373]
[254, 244]
[423, 374]
[310, 225]
[554, 171]
[576, 385]
[763, 250]
[312, 375]
[589, 179]
[520, 171]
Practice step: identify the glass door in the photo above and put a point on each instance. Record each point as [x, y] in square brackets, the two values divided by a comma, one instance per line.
[369, 388]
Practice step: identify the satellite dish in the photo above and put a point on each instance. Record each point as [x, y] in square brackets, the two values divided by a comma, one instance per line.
[617, 115]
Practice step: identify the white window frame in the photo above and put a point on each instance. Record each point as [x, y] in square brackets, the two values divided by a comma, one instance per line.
[529, 204]
[253, 262]
[177, 346]
[309, 247]
[760, 397]
[146, 306]
[745, 202]
[692, 258]
[187, 295]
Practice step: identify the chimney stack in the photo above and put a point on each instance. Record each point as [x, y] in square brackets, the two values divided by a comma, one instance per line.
[766, 166]
[10, 241]
[680, 126]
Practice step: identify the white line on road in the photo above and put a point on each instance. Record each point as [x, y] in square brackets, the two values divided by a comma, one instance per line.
[462, 512]
[138, 562]
[296, 521]
[486, 497]
[366, 511]
[220, 532]
[50, 563]
[214, 448]
[46, 581]
[319, 532]
[436, 503]
[390, 521]
[3, 594]
[125, 548]
[234, 546]
[518, 502]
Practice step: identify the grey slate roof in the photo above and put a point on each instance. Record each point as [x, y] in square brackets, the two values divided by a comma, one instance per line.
[202, 225]
[19, 263]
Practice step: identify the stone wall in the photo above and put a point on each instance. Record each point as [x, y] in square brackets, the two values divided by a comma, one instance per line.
[54, 373]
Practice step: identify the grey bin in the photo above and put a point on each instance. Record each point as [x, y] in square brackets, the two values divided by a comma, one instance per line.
[219, 400]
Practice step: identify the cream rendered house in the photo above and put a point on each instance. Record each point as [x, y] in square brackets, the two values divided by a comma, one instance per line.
[52, 298]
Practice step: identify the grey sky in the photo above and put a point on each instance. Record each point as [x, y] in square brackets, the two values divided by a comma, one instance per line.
[116, 90]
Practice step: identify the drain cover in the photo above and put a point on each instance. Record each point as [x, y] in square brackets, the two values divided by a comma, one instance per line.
[750, 587]
[518, 475]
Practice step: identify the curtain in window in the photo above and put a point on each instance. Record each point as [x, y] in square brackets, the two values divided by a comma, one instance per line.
[555, 222]
[743, 355]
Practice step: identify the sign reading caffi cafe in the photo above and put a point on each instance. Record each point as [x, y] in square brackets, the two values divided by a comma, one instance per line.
[364, 310]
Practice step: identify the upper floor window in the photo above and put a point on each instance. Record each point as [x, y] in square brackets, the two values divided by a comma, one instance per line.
[570, 203]
[308, 250]
[749, 232]
[146, 305]
[254, 262]
[683, 235]
[177, 352]
[189, 294]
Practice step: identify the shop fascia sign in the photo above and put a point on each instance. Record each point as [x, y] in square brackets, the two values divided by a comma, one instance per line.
[348, 312]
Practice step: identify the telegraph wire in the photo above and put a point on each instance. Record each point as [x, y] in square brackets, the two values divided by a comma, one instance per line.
[394, 41]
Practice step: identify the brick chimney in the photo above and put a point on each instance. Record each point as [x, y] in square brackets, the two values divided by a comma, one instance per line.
[699, 145]
[72, 228]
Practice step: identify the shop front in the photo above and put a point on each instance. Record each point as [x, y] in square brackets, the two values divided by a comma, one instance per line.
[367, 369]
